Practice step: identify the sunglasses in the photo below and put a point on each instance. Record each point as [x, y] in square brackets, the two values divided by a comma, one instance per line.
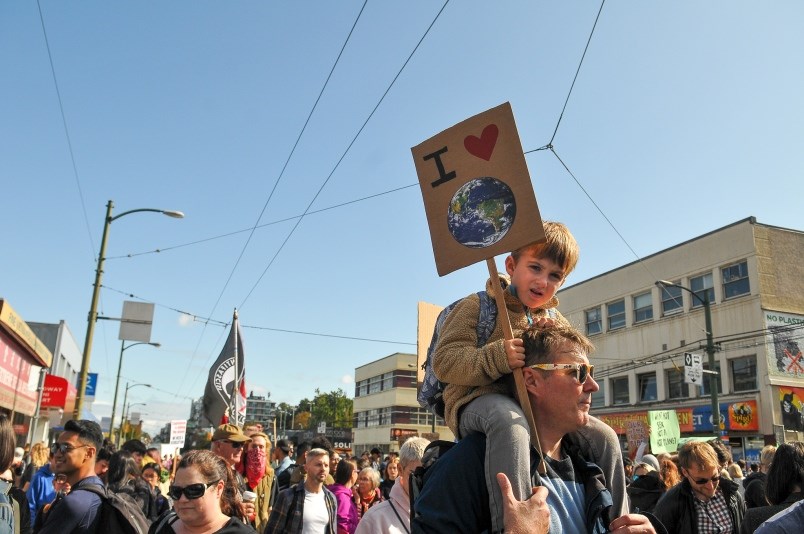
[193, 491]
[582, 370]
[702, 481]
[234, 444]
[63, 448]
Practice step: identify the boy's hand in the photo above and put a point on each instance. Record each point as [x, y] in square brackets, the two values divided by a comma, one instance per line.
[544, 322]
[515, 352]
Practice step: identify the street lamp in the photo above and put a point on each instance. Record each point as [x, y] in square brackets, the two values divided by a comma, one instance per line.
[93, 307]
[117, 382]
[710, 347]
[123, 416]
[127, 411]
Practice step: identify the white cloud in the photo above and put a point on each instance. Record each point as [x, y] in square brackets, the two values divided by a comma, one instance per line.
[347, 379]
[185, 320]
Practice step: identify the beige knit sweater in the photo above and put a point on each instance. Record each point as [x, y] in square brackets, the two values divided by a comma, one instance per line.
[468, 371]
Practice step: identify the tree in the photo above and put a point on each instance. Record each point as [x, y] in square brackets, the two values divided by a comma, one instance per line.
[333, 408]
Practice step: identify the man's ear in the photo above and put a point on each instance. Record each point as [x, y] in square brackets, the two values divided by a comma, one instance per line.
[532, 380]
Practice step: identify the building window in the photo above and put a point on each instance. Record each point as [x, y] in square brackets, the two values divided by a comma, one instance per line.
[616, 314]
[643, 307]
[619, 390]
[671, 299]
[735, 280]
[706, 379]
[676, 387]
[375, 384]
[647, 387]
[599, 396]
[702, 286]
[744, 373]
[594, 322]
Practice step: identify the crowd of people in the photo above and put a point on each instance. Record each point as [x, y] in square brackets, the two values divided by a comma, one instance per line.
[240, 485]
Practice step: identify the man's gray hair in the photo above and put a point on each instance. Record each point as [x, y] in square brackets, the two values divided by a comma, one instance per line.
[412, 451]
[315, 453]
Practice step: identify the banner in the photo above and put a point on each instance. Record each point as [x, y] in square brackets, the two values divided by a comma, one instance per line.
[664, 431]
[784, 354]
[791, 401]
[477, 191]
[226, 384]
[742, 416]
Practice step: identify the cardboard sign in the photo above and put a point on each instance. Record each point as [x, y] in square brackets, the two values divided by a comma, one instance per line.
[664, 431]
[477, 191]
[636, 432]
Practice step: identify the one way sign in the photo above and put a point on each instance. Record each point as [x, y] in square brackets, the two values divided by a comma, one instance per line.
[693, 369]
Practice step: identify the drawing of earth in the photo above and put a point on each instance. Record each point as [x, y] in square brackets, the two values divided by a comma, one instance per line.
[481, 212]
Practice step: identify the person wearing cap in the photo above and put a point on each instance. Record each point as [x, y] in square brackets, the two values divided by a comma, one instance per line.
[282, 456]
[227, 443]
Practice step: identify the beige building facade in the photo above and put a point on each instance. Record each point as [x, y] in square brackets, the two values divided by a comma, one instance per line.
[753, 276]
[385, 408]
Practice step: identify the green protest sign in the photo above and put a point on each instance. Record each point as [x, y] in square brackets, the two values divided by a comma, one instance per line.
[664, 431]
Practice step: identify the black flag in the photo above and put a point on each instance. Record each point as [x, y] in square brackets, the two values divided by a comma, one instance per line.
[225, 394]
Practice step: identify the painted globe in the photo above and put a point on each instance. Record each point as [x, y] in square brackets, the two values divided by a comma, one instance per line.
[481, 212]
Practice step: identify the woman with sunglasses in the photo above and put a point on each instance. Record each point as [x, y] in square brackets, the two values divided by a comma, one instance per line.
[205, 499]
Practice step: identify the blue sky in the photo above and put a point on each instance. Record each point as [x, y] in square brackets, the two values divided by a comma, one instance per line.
[685, 117]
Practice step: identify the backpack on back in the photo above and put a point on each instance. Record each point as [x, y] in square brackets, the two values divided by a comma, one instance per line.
[430, 395]
[433, 451]
[118, 514]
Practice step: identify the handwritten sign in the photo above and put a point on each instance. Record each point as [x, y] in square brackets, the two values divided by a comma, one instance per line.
[636, 432]
[664, 431]
[477, 191]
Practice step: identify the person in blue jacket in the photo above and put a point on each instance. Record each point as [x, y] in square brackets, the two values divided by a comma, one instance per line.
[41, 491]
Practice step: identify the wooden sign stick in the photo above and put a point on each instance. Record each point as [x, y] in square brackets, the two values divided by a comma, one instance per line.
[519, 378]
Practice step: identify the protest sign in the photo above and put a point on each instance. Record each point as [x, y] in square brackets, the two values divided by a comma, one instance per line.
[664, 431]
[477, 191]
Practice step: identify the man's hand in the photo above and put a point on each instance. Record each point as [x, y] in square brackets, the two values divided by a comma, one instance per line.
[250, 510]
[515, 352]
[524, 517]
[632, 524]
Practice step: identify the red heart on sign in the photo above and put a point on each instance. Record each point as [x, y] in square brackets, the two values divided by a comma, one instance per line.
[482, 146]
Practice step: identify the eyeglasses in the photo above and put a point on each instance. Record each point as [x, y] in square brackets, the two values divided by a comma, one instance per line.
[193, 491]
[234, 444]
[702, 481]
[582, 370]
[63, 448]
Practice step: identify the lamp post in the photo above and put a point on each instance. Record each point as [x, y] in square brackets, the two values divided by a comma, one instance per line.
[93, 307]
[123, 416]
[710, 348]
[127, 411]
[123, 348]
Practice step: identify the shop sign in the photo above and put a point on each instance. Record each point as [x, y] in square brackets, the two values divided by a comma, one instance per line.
[742, 416]
[18, 328]
[403, 433]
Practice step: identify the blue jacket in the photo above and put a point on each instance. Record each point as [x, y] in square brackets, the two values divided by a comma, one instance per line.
[41, 491]
[454, 497]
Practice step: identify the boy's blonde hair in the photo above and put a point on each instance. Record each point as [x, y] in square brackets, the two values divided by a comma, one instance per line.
[560, 247]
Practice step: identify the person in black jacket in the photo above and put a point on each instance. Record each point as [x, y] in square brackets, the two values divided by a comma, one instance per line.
[784, 485]
[703, 502]
[754, 483]
[646, 489]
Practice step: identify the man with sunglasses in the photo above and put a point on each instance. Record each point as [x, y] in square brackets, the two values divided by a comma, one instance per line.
[559, 381]
[228, 443]
[74, 456]
[703, 502]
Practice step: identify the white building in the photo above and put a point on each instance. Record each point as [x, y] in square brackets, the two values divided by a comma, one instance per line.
[385, 407]
[754, 278]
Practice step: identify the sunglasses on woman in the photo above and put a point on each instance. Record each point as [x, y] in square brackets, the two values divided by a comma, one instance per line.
[582, 370]
[193, 491]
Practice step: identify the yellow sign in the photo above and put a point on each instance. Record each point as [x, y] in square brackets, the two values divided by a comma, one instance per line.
[13, 323]
[477, 191]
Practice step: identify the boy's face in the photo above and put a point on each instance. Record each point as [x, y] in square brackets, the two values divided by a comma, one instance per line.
[535, 278]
